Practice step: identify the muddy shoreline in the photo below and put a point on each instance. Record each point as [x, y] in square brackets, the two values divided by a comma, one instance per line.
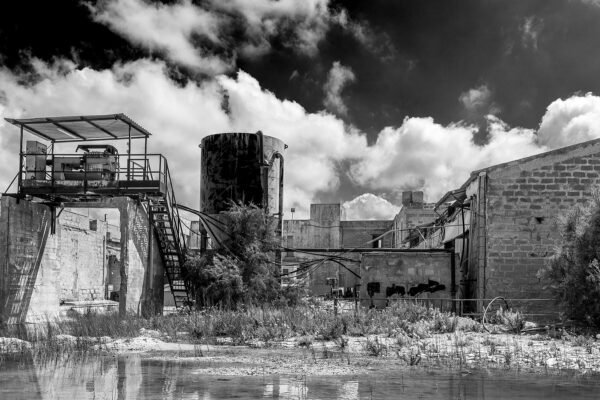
[306, 356]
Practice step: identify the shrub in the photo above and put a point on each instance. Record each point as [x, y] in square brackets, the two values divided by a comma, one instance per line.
[374, 347]
[513, 320]
[573, 273]
[240, 270]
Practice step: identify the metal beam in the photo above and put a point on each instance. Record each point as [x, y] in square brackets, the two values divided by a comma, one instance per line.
[95, 125]
[36, 132]
[69, 130]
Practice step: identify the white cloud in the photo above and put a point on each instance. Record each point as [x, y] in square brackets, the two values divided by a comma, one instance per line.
[569, 121]
[477, 98]
[339, 76]
[530, 31]
[305, 23]
[202, 36]
[376, 42]
[167, 28]
[419, 154]
[179, 116]
[369, 206]
[424, 155]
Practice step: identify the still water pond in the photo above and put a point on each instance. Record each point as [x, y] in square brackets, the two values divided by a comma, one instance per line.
[134, 377]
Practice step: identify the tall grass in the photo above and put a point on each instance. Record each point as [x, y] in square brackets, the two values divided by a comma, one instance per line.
[244, 325]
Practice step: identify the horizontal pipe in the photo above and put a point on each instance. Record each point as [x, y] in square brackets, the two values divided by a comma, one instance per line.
[373, 250]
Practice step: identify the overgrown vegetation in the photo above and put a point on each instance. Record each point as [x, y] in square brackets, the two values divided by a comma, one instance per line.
[573, 274]
[247, 324]
[241, 270]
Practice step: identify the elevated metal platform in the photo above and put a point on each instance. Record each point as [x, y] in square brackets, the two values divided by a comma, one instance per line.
[98, 171]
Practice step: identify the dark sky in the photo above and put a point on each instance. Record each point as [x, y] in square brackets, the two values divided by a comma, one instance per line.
[429, 53]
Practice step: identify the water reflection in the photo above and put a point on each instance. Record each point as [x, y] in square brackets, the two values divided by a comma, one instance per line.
[133, 377]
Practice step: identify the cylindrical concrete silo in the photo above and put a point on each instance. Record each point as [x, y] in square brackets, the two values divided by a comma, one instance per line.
[242, 167]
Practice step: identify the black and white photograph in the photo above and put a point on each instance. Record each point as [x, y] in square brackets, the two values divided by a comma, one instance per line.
[300, 199]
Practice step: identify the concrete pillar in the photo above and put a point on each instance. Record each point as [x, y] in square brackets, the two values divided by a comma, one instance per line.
[142, 270]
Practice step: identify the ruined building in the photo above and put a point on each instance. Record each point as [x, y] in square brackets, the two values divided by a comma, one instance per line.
[413, 213]
[502, 223]
[48, 259]
[357, 259]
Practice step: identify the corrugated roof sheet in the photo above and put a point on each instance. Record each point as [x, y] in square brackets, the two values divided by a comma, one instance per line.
[82, 127]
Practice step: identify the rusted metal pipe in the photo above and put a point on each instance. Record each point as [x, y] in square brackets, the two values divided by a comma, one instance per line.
[280, 208]
[264, 171]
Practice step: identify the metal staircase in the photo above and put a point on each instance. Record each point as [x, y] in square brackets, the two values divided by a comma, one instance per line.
[164, 216]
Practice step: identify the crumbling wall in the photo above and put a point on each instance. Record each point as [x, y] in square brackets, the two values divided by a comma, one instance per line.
[361, 234]
[522, 203]
[77, 254]
[424, 275]
[414, 212]
[142, 268]
[38, 271]
[24, 229]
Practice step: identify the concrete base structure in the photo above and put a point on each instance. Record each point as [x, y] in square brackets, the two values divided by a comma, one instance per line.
[39, 271]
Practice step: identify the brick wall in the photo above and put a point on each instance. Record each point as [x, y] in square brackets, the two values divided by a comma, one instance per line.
[522, 204]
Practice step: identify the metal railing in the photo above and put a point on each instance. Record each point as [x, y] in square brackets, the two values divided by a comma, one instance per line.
[462, 306]
[174, 214]
[93, 170]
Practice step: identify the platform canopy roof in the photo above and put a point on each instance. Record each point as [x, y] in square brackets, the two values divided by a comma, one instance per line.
[82, 128]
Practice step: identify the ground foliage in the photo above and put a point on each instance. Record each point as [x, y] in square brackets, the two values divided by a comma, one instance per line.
[243, 269]
[573, 273]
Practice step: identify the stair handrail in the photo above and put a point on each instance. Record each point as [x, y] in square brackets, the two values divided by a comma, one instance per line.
[174, 213]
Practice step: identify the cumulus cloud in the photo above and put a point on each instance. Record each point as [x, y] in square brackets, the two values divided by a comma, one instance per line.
[476, 98]
[478, 101]
[209, 36]
[569, 121]
[179, 116]
[369, 206]
[422, 154]
[418, 154]
[339, 77]
[169, 29]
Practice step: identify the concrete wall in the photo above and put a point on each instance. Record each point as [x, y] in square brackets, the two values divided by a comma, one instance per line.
[356, 234]
[38, 270]
[76, 256]
[408, 218]
[408, 271]
[322, 230]
[24, 229]
[316, 281]
[325, 230]
[142, 270]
